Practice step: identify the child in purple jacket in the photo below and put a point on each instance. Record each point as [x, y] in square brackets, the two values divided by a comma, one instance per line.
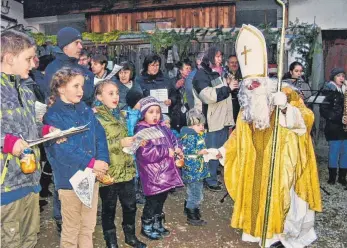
[157, 169]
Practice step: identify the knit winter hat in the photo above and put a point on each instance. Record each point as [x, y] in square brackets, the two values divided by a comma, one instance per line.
[67, 35]
[195, 117]
[147, 102]
[335, 72]
[133, 97]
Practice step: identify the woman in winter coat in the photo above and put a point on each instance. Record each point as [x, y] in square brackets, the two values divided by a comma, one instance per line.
[157, 169]
[152, 78]
[333, 112]
[125, 82]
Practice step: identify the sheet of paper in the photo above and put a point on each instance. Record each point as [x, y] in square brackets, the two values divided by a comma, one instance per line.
[320, 99]
[58, 134]
[212, 154]
[145, 134]
[83, 185]
[40, 111]
[161, 95]
[114, 71]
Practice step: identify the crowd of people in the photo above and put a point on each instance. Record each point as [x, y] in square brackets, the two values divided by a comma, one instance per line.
[211, 106]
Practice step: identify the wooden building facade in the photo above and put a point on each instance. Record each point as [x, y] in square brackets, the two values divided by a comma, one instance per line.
[170, 14]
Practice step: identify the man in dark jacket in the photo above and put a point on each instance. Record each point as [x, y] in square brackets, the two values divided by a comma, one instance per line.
[215, 94]
[70, 42]
[233, 71]
[333, 112]
[178, 115]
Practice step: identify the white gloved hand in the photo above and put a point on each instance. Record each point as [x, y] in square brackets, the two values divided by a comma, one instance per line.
[280, 100]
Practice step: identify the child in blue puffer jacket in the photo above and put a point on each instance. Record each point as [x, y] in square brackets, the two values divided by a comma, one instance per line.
[195, 170]
[86, 149]
[133, 115]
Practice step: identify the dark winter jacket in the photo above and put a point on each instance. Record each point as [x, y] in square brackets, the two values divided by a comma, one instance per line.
[216, 98]
[194, 169]
[179, 110]
[123, 90]
[189, 88]
[156, 168]
[155, 82]
[79, 149]
[35, 88]
[236, 105]
[62, 60]
[39, 78]
[332, 110]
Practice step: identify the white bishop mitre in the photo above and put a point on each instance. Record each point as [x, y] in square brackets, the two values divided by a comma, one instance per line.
[251, 52]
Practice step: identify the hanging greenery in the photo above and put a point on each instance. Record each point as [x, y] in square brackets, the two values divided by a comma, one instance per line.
[102, 38]
[41, 38]
[97, 38]
[303, 41]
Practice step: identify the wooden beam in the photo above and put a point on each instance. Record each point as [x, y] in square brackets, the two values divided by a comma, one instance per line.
[156, 20]
[165, 7]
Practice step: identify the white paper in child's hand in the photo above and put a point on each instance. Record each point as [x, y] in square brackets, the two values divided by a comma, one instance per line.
[211, 155]
[83, 184]
[143, 135]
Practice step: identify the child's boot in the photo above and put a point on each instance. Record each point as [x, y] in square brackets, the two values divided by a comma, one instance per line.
[332, 175]
[111, 238]
[193, 217]
[159, 220]
[185, 208]
[130, 237]
[342, 177]
[148, 230]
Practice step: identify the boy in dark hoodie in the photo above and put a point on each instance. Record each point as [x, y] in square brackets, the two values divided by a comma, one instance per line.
[195, 170]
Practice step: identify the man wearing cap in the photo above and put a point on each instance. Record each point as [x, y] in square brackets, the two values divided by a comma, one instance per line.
[336, 121]
[70, 42]
[295, 194]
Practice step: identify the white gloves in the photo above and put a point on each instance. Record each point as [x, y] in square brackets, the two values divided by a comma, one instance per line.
[280, 100]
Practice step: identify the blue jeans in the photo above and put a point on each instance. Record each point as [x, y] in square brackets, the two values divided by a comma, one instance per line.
[215, 140]
[56, 207]
[338, 154]
[195, 194]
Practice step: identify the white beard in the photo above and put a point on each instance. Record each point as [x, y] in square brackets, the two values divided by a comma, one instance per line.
[257, 104]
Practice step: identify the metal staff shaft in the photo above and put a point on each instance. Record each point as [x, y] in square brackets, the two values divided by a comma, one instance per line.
[275, 133]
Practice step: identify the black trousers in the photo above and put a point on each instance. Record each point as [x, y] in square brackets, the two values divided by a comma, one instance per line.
[125, 191]
[154, 205]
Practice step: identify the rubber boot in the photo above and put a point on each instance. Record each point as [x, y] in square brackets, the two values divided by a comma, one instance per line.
[185, 208]
[193, 217]
[59, 224]
[148, 230]
[278, 244]
[342, 177]
[45, 180]
[111, 238]
[159, 220]
[130, 237]
[332, 175]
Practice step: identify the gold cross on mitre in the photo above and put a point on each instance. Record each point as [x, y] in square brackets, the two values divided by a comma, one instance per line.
[251, 50]
[245, 51]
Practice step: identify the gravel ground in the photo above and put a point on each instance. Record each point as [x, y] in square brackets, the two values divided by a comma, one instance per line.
[331, 224]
